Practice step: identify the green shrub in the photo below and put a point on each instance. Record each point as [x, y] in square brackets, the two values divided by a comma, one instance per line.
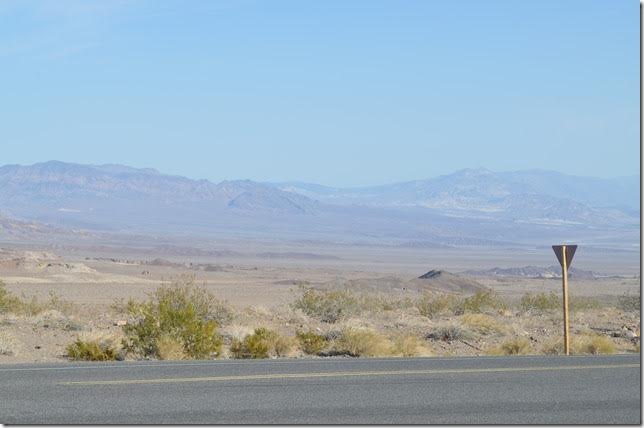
[180, 311]
[311, 343]
[327, 306]
[540, 302]
[91, 350]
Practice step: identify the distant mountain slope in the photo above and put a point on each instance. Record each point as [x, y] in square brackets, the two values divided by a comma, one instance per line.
[106, 195]
[530, 196]
[553, 271]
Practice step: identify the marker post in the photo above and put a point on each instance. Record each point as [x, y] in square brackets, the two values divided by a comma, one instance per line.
[565, 254]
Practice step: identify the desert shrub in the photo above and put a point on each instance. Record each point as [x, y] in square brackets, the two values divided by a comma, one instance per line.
[379, 303]
[57, 303]
[254, 345]
[7, 344]
[448, 333]
[481, 301]
[513, 346]
[482, 323]
[407, 345]
[362, 343]
[431, 305]
[311, 343]
[540, 302]
[263, 343]
[92, 350]
[593, 344]
[6, 299]
[327, 305]
[31, 307]
[180, 311]
[54, 319]
[627, 302]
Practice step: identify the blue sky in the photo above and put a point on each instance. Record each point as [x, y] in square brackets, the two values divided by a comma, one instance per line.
[336, 92]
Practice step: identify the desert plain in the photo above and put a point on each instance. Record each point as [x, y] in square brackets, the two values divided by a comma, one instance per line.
[79, 290]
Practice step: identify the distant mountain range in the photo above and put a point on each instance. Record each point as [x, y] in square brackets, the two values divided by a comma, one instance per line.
[531, 196]
[469, 207]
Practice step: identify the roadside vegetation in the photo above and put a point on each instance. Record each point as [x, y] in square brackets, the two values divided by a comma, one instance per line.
[182, 320]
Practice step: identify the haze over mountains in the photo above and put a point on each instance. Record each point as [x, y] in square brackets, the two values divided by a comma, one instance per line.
[468, 207]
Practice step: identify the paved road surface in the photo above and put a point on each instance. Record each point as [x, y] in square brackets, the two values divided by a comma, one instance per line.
[589, 390]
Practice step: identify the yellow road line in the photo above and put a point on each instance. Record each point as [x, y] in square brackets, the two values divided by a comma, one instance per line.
[342, 374]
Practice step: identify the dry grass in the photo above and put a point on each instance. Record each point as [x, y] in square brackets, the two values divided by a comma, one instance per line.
[593, 344]
[448, 333]
[580, 344]
[54, 319]
[483, 324]
[408, 345]
[359, 342]
[540, 302]
[513, 346]
[170, 349]
[8, 344]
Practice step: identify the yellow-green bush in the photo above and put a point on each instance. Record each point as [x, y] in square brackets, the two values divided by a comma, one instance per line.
[180, 311]
[311, 343]
[327, 305]
[261, 344]
[513, 346]
[91, 350]
[540, 302]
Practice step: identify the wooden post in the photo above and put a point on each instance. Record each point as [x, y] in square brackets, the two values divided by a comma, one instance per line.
[564, 266]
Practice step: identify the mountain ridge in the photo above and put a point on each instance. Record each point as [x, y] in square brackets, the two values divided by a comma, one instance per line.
[470, 206]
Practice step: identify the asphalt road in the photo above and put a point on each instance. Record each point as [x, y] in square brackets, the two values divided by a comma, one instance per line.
[515, 390]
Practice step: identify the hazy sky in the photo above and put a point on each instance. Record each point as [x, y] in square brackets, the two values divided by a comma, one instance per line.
[340, 92]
